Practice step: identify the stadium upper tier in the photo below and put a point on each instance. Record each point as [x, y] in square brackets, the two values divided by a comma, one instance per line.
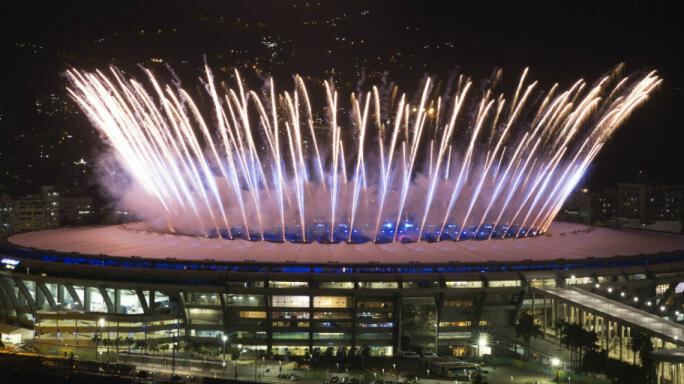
[563, 241]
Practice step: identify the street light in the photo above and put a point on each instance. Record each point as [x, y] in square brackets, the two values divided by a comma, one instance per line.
[556, 363]
[482, 343]
[101, 324]
[224, 338]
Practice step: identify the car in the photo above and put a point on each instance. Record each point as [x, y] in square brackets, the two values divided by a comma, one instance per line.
[429, 355]
[410, 355]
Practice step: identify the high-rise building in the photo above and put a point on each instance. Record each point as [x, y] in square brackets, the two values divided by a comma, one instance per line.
[36, 211]
[77, 210]
[577, 208]
[6, 209]
[632, 201]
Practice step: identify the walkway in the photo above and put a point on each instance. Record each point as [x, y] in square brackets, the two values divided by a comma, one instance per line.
[620, 313]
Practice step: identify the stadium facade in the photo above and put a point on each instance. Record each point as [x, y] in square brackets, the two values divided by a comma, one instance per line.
[69, 285]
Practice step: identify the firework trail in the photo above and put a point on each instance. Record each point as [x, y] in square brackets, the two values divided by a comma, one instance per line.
[259, 166]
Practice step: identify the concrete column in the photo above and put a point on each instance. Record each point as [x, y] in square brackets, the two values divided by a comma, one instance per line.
[554, 315]
[544, 317]
[621, 331]
[86, 298]
[605, 326]
[311, 307]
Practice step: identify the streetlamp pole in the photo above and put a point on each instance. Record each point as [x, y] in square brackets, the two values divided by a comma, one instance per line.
[224, 339]
[396, 373]
[101, 323]
[109, 340]
[173, 350]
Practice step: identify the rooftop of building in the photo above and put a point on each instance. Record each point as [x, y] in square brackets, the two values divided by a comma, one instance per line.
[564, 241]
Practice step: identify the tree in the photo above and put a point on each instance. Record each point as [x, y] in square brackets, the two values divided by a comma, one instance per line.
[526, 329]
[140, 345]
[641, 344]
[577, 339]
[595, 361]
[623, 373]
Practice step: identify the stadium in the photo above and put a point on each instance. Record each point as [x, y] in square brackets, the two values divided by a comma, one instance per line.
[422, 226]
[293, 299]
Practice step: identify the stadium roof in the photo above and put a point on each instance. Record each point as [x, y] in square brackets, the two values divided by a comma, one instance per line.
[563, 241]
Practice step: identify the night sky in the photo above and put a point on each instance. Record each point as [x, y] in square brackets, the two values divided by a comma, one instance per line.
[43, 136]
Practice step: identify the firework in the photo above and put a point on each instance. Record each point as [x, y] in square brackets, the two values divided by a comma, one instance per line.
[259, 165]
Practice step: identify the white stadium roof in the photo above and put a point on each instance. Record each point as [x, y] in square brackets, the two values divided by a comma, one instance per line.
[563, 241]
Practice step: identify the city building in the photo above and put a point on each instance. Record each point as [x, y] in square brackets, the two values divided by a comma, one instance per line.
[6, 209]
[36, 211]
[76, 210]
[631, 205]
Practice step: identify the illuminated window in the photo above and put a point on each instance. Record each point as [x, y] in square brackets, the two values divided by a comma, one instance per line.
[253, 314]
[679, 288]
[290, 324]
[332, 301]
[331, 336]
[290, 315]
[288, 284]
[337, 285]
[375, 304]
[237, 300]
[540, 283]
[290, 335]
[374, 336]
[376, 325]
[454, 335]
[578, 280]
[504, 283]
[661, 288]
[456, 303]
[420, 284]
[464, 284]
[462, 323]
[204, 298]
[331, 315]
[290, 301]
[373, 316]
[379, 284]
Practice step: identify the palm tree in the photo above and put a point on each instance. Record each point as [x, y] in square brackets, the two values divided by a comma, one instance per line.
[641, 343]
[164, 348]
[577, 339]
[526, 329]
